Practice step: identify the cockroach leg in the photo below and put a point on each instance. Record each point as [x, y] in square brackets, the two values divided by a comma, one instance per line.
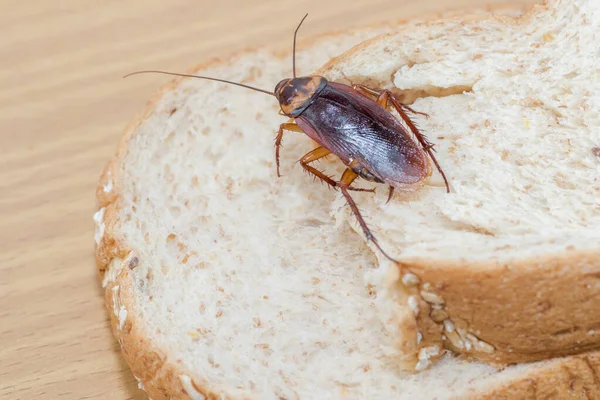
[314, 155]
[347, 178]
[288, 127]
[382, 98]
[317, 154]
[390, 194]
[427, 145]
[415, 112]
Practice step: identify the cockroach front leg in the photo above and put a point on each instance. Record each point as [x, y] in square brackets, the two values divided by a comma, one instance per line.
[317, 154]
[288, 126]
[347, 178]
[382, 98]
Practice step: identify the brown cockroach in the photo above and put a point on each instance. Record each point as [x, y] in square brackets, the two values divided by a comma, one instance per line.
[353, 123]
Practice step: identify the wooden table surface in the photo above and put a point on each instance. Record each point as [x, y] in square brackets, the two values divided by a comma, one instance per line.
[63, 106]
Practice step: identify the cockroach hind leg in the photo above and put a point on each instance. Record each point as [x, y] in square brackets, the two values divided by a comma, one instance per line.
[385, 96]
[438, 181]
[383, 252]
[347, 178]
[420, 137]
[390, 194]
[371, 238]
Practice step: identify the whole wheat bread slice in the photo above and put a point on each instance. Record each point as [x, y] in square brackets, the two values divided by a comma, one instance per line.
[513, 253]
[225, 282]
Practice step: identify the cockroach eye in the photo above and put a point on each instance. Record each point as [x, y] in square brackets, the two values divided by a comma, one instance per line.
[288, 94]
[278, 88]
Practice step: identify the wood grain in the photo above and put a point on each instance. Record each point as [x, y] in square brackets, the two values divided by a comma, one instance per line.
[63, 106]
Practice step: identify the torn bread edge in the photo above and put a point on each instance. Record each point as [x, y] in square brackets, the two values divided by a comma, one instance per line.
[440, 293]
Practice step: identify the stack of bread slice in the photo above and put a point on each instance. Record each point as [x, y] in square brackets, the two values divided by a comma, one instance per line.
[224, 281]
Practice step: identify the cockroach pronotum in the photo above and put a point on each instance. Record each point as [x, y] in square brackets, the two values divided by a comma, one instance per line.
[353, 123]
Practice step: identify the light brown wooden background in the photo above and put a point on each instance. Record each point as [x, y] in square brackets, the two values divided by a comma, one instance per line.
[63, 106]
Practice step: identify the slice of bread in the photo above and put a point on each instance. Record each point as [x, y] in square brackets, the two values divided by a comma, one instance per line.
[510, 260]
[225, 282]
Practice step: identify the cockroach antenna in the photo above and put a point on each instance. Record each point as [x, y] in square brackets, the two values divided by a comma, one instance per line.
[294, 48]
[201, 77]
[335, 115]
[223, 80]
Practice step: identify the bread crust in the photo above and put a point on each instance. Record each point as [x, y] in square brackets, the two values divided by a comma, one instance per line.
[520, 308]
[164, 378]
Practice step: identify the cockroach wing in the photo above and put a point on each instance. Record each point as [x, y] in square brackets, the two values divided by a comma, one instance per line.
[354, 127]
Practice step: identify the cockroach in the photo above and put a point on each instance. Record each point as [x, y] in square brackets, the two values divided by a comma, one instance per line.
[354, 123]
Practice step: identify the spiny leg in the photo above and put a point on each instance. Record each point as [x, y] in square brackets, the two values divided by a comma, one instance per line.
[314, 155]
[427, 145]
[317, 154]
[415, 112]
[288, 126]
[383, 97]
[347, 178]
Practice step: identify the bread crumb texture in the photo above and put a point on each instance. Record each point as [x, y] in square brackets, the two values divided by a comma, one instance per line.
[513, 105]
[516, 137]
[245, 278]
[225, 282]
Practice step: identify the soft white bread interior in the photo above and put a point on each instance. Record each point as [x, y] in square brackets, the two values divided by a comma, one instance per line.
[223, 281]
[512, 256]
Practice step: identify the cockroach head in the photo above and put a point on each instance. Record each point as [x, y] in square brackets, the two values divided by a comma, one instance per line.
[296, 94]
